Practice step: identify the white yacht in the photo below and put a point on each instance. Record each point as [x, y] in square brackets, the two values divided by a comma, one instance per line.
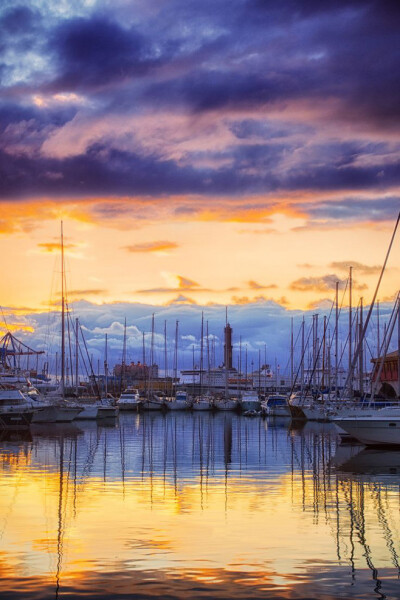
[203, 403]
[249, 400]
[382, 427]
[129, 399]
[153, 402]
[96, 409]
[16, 410]
[179, 402]
[276, 405]
[226, 404]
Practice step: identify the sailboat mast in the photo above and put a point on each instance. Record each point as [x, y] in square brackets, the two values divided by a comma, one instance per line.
[201, 352]
[371, 307]
[336, 338]
[226, 360]
[176, 352]
[361, 357]
[302, 356]
[151, 353]
[76, 356]
[379, 329]
[240, 367]
[165, 352]
[62, 316]
[350, 325]
[291, 353]
[265, 370]
[106, 366]
[398, 351]
[245, 367]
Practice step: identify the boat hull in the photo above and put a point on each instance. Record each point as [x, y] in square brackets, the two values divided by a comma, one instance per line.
[176, 405]
[379, 431]
[107, 412]
[126, 406]
[297, 413]
[278, 411]
[226, 405]
[202, 405]
[87, 413]
[16, 419]
[152, 405]
[246, 405]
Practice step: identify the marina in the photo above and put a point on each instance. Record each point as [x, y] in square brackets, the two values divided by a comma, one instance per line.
[200, 301]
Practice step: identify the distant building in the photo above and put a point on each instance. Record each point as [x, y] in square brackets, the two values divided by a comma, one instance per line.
[389, 377]
[136, 371]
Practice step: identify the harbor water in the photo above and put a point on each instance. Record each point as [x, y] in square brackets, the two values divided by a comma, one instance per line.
[196, 506]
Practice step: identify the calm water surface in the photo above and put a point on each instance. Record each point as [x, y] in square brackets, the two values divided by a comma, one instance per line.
[196, 506]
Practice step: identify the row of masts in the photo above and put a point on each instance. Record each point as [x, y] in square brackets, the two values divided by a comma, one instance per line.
[320, 348]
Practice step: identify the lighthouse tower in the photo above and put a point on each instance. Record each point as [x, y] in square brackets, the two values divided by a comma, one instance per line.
[228, 347]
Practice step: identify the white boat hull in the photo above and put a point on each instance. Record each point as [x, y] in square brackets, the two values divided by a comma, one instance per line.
[55, 414]
[176, 405]
[278, 411]
[88, 412]
[372, 431]
[152, 405]
[107, 412]
[315, 413]
[134, 405]
[202, 405]
[246, 405]
[225, 405]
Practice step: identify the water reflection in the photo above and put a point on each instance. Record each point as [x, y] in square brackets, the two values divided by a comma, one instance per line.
[196, 505]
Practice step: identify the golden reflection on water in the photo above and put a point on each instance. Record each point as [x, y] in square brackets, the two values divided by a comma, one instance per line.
[231, 503]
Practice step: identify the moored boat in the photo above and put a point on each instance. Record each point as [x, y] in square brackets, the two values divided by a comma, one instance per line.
[202, 403]
[179, 402]
[15, 409]
[276, 405]
[129, 399]
[249, 401]
[226, 404]
[372, 429]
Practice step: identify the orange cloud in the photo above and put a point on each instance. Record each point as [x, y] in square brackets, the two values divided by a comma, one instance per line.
[160, 246]
[55, 246]
[254, 285]
[181, 300]
[16, 327]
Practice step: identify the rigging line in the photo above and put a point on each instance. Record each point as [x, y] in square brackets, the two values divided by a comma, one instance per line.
[301, 361]
[96, 384]
[318, 354]
[339, 312]
[366, 323]
[285, 370]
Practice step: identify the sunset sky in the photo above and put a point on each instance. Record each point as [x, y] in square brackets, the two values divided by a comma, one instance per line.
[200, 154]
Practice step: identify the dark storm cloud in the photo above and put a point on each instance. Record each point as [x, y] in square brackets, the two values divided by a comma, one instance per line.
[94, 52]
[107, 171]
[19, 20]
[243, 57]
[205, 90]
[251, 168]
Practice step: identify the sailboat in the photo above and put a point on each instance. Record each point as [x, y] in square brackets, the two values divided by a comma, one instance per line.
[180, 400]
[376, 426]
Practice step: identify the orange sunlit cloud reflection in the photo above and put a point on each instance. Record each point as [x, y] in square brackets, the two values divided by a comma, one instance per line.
[255, 518]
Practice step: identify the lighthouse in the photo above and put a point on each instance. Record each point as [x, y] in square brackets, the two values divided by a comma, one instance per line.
[228, 347]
